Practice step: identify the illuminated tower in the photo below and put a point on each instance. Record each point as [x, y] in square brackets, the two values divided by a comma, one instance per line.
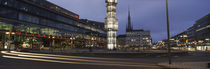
[111, 24]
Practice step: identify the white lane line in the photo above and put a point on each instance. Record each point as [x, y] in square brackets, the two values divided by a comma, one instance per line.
[70, 56]
[46, 60]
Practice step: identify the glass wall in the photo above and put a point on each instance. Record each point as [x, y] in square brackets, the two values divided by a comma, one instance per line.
[32, 24]
[39, 12]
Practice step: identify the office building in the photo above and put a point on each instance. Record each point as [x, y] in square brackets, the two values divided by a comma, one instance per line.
[39, 23]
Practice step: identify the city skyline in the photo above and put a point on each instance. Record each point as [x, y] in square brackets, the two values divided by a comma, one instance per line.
[148, 15]
[78, 34]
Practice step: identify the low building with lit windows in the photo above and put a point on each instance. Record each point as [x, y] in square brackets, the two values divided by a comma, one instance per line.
[138, 38]
[121, 42]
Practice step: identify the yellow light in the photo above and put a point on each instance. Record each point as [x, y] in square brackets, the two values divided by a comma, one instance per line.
[7, 33]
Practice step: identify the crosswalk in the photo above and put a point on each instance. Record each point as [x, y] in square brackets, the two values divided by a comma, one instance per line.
[74, 59]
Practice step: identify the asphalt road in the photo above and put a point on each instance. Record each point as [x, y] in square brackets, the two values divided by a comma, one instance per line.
[20, 60]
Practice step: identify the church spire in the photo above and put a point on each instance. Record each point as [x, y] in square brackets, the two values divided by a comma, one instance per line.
[129, 27]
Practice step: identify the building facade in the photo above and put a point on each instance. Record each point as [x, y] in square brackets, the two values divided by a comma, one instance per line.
[202, 28]
[199, 31]
[121, 41]
[196, 36]
[39, 23]
[137, 38]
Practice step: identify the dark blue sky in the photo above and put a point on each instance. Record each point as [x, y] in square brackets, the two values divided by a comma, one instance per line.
[145, 14]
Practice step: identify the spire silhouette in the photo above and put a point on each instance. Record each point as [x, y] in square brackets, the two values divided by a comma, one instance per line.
[129, 25]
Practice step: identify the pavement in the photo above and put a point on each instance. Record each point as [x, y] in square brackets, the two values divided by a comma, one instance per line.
[1, 60]
[186, 65]
[196, 60]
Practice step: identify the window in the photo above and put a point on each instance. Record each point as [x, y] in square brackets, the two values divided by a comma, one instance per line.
[28, 18]
[4, 12]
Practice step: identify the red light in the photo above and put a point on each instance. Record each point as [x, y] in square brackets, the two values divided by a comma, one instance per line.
[64, 38]
[44, 36]
[10, 31]
[57, 37]
[18, 33]
[76, 16]
[32, 34]
[26, 33]
[39, 35]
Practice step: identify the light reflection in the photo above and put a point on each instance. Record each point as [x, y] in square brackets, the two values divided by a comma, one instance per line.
[63, 56]
[43, 56]
[46, 60]
[32, 56]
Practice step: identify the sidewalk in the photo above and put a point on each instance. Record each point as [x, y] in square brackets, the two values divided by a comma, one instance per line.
[1, 60]
[186, 65]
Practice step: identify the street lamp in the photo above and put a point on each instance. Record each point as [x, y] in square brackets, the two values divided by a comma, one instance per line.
[168, 33]
[207, 39]
[53, 43]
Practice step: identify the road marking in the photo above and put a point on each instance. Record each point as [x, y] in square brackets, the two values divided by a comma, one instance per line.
[68, 56]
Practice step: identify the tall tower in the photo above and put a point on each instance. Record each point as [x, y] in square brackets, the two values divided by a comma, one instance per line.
[111, 24]
[129, 26]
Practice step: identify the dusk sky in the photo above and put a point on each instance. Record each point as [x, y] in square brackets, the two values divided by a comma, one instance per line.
[145, 14]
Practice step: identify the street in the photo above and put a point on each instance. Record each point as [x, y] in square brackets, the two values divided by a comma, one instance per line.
[20, 60]
[23, 60]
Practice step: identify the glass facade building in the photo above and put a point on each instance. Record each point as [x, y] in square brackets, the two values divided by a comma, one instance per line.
[39, 23]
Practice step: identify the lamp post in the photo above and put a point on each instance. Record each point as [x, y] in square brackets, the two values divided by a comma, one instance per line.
[168, 33]
[53, 43]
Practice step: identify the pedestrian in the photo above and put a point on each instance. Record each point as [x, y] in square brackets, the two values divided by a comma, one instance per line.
[206, 51]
